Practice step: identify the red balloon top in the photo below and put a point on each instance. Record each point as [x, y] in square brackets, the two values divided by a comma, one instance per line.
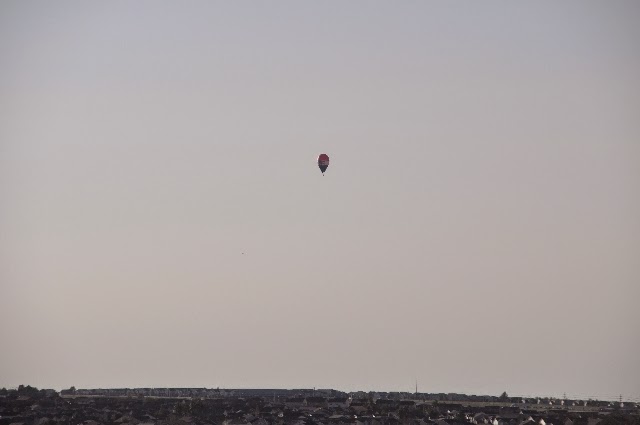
[323, 158]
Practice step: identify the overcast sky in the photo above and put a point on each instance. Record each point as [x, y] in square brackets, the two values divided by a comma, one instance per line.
[163, 221]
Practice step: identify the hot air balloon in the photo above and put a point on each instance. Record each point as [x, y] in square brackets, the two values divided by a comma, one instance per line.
[323, 162]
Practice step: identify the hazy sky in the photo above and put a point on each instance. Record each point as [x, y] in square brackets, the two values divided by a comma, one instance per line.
[163, 221]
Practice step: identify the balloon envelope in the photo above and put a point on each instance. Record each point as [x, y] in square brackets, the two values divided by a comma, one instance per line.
[323, 162]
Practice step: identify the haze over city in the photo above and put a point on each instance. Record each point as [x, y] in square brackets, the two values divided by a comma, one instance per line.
[164, 223]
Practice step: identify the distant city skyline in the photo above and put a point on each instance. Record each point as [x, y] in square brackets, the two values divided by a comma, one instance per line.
[164, 222]
[325, 392]
[202, 407]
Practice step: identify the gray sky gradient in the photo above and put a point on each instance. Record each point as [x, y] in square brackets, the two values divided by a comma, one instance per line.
[478, 228]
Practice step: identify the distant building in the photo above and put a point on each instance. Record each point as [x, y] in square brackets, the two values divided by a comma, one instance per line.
[316, 402]
[294, 402]
[338, 403]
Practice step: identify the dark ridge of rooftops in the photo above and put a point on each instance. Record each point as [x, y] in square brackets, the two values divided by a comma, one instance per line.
[202, 406]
